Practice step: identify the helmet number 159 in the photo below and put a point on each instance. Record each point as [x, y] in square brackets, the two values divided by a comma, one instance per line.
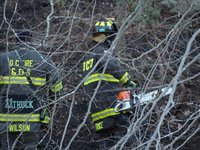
[88, 64]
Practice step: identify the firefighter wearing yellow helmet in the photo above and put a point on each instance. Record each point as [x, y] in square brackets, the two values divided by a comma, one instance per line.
[109, 125]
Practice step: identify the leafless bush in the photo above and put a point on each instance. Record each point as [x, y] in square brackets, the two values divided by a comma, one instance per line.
[162, 54]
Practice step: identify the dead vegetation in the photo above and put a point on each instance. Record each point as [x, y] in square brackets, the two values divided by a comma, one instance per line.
[157, 55]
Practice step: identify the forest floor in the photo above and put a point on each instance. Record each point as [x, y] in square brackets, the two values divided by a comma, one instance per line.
[72, 119]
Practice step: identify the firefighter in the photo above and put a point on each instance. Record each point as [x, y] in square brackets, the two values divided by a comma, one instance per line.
[27, 80]
[109, 125]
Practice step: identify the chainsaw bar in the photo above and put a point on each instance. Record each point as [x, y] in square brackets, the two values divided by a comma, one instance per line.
[127, 104]
[144, 98]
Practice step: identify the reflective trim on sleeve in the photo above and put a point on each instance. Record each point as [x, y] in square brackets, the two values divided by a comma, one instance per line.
[46, 120]
[125, 78]
[23, 118]
[56, 87]
[96, 77]
[21, 80]
[103, 114]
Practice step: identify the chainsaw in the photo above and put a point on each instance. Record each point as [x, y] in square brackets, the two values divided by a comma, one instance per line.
[129, 99]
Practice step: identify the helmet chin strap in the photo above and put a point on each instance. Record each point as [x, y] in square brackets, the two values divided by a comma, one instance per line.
[109, 40]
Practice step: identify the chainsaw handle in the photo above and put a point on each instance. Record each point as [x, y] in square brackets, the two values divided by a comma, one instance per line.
[116, 107]
[134, 88]
[140, 86]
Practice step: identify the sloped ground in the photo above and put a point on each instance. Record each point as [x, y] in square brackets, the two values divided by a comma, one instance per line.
[69, 56]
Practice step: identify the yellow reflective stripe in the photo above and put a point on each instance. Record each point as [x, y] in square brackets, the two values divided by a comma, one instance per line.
[104, 114]
[110, 21]
[46, 120]
[125, 78]
[23, 118]
[38, 81]
[97, 23]
[96, 77]
[56, 87]
[21, 80]
[109, 24]
[20, 117]
[102, 23]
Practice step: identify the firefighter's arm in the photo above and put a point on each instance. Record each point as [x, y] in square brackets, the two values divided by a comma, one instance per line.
[118, 72]
[54, 81]
[55, 84]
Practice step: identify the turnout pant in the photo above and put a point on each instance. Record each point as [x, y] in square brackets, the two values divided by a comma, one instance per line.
[27, 141]
[109, 137]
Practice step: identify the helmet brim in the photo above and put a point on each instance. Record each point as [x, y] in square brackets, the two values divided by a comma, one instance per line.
[90, 33]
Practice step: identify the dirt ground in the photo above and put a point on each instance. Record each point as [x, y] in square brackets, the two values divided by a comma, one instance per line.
[71, 67]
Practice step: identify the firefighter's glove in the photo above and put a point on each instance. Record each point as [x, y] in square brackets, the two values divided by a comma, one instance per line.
[132, 85]
[43, 114]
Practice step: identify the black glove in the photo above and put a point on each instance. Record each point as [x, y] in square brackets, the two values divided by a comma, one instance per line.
[132, 85]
